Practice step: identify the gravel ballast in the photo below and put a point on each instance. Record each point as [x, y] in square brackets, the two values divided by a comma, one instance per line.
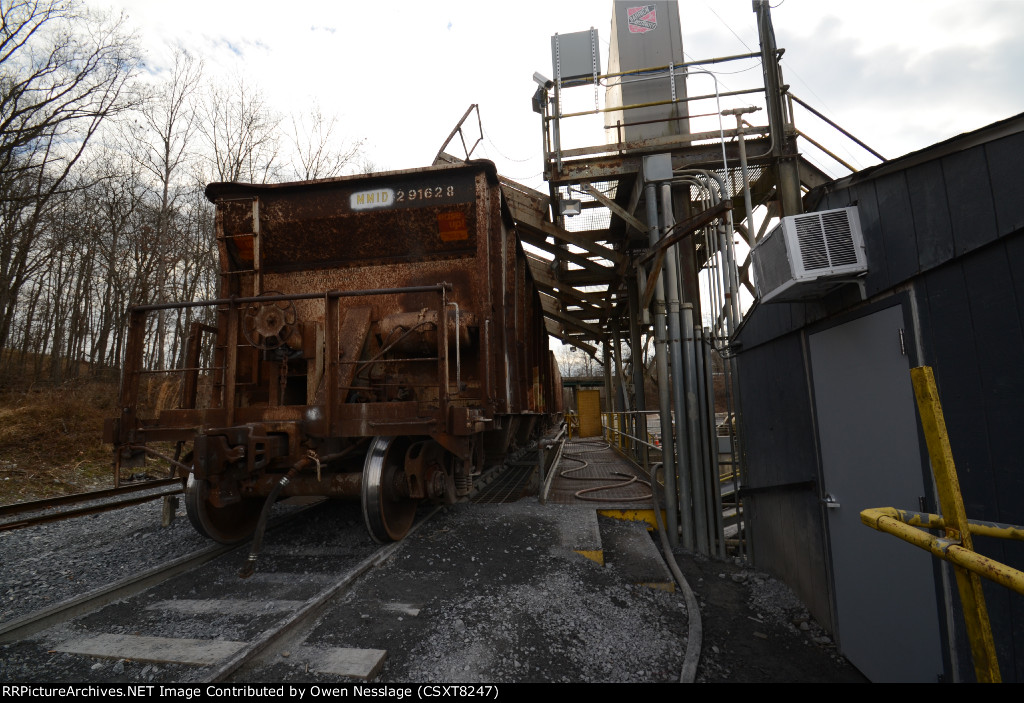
[479, 593]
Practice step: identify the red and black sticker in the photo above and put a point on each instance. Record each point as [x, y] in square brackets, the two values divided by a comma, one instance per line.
[641, 19]
[452, 226]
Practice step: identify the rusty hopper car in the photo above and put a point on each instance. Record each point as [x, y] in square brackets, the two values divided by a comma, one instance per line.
[376, 336]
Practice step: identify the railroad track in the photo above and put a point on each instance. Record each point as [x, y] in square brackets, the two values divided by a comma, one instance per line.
[195, 620]
[37, 512]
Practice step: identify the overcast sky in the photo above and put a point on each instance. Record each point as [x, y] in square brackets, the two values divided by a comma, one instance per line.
[900, 74]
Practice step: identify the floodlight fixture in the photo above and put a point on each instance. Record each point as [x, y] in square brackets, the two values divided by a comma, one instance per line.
[569, 207]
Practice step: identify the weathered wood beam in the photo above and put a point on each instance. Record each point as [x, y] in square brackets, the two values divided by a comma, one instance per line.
[685, 228]
[566, 297]
[615, 208]
[536, 228]
[557, 333]
[554, 249]
[570, 320]
[573, 278]
[603, 168]
[543, 278]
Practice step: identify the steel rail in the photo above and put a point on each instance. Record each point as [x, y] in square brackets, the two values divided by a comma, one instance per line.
[291, 627]
[32, 623]
[174, 484]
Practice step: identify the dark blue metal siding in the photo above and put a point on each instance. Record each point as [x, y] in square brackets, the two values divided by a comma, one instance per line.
[948, 337]
[1004, 166]
[769, 322]
[870, 221]
[783, 510]
[898, 235]
[975, 342]
[927, 189]
[778, 441]
[969, 194]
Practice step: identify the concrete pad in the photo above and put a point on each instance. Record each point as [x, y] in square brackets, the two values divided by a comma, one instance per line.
[153, 649]
[225, 607]
[631, 552]
[578, 531]
[645, 515]
[343, 661]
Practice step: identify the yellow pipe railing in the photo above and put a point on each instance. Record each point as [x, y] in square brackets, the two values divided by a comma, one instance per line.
[572, 424]
[894, 522]
[956, 546]
[615, 430]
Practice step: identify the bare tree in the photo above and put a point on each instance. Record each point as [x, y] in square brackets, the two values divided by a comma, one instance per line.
[161, 141]
[318, 150]
[63, 71]
[241, 131]
[168, 123]
[573, 362]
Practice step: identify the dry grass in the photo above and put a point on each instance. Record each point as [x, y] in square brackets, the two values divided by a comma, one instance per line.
[51, 439]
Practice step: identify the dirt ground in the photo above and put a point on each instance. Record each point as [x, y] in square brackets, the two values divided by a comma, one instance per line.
[51, 440]
[752, 629]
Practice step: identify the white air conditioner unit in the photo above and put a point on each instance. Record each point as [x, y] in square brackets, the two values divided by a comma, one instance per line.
[806, 256]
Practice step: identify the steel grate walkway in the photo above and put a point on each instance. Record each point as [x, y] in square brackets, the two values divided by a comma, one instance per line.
[514, 481]
[591, 473]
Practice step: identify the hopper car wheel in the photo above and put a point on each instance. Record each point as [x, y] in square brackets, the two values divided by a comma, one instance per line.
[388, 512]
[227, 525]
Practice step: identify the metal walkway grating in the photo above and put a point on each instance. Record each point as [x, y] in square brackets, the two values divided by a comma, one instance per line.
[515, 481]
[591, 464]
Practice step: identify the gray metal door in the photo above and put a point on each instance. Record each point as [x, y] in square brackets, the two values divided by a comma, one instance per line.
[867, 428]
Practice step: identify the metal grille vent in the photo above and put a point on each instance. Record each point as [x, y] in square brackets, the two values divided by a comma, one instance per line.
[839, 238]
[808, 255]
[809, 235]
[825, 240]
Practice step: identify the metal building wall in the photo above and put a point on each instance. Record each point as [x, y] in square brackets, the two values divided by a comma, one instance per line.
[945, 231]
[780, 501]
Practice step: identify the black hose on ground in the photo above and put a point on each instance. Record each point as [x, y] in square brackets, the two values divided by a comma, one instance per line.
[249, 568]
[695, 634]
[622, 479]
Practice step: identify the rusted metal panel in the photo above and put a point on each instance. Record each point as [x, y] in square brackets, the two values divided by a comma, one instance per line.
[335, 485]
[352, 337]
[398, 418]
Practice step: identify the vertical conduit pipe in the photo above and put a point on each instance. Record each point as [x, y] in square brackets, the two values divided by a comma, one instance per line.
[697, 467]
[746, 175]
[733, 277]
[609, 391]
[705, 412]
[728, 249]
[636, 354]
[683, 469]
[704, 477]
[700, 394]
[661, 362]
[712, 436]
